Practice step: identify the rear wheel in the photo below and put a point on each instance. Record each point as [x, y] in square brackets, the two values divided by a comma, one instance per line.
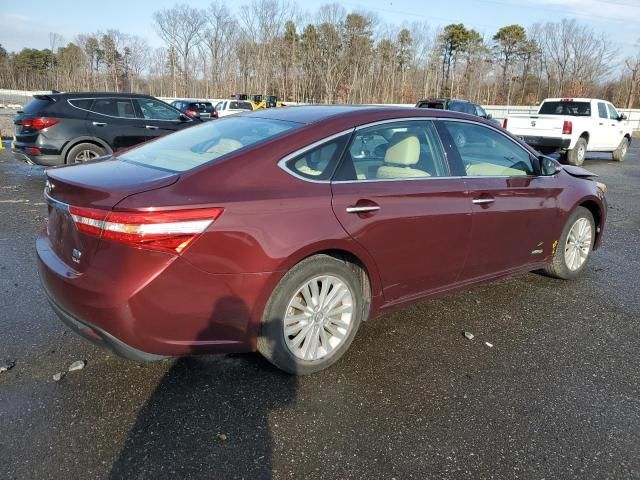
[84, 152]
[620, 152]
[576, 155]
[574, 246]
[312, 316]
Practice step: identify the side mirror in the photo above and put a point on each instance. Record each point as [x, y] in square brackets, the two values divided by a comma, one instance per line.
[548, 166]
[184, 118]
[622, 117]
[489, 116]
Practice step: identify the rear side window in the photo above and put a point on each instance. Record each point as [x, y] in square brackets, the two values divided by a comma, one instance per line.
[394, 151]
[36, 105]
[114, 107]
[462, 107]
[83, 103]
[487, 153]
[318, 163]
[195, 146]
[576, 109]
[602, 110]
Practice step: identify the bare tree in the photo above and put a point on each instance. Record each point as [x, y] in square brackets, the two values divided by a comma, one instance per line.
[181, 27]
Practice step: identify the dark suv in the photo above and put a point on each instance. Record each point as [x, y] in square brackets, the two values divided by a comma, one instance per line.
[59, 128]
[196, 108]
[456, 105]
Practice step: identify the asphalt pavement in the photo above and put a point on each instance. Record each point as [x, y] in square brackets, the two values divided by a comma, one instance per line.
[556, 396]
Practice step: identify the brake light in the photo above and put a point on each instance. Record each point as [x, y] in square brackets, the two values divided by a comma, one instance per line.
[504, 124]
[567, 127]
[39, 123]
[32, 150]
[191, 113]
[169, 231]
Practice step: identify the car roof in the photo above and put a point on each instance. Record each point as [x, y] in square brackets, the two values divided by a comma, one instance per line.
[360, 114]
[92, 94]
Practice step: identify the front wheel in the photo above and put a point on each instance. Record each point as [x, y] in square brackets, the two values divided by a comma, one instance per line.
[574, 246]
[313, 315]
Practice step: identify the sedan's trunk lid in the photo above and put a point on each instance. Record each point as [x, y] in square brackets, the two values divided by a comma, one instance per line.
[94, 186]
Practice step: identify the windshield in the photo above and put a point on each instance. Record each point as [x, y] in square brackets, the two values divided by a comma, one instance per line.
[576, 109]
[195, 146]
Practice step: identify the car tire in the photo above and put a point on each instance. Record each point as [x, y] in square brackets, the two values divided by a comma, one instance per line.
[325, 342]
[576, 155]
[621, 152]
[570, 243]
[84, 152]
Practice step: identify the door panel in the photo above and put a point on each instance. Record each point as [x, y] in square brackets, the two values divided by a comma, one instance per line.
[418, 237]
[114, 120]
[159, 119]
[514, 210]
[515, 227]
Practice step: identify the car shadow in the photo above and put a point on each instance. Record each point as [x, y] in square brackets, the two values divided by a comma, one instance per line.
[205, 420]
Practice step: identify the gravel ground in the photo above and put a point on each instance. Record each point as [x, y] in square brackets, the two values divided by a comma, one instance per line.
[557, 396]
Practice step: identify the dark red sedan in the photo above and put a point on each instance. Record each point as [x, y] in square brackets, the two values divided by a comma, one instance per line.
[283, 229]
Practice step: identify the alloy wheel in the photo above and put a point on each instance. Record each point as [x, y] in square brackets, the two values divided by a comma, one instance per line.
[318, 318]
[578, 244]
[84, 155]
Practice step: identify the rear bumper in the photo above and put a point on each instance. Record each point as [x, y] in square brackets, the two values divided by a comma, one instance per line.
[546, 143]
[100, 337]
[147, 305]
[44, 160]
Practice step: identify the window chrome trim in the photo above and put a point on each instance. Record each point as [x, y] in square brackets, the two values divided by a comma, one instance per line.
[131, 99]
[283, 162]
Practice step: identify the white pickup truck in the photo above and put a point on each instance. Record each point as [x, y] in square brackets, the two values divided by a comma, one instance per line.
[573, 126]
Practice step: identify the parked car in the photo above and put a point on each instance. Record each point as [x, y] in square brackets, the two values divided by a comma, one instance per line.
[65, 128]
[231, 107]
[319, 218]
[455, 105]
[201, 109]
[573, 127]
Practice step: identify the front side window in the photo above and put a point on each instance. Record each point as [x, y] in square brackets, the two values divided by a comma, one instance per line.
[195, 146]
[319, 163]
[485, 152]
[613, 113]
[114, 107]
[155, 110]
[480, 111]
[399, 150]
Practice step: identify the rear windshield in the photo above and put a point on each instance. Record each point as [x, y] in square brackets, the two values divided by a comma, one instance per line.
[437, 105]
[576, 109]
[463, 107]
[240, 106]
[195, 146]
[36, 105]
[202, 107]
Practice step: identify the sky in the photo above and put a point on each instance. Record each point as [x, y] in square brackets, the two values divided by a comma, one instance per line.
[28, 23]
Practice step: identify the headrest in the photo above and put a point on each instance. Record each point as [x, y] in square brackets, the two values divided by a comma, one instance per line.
[403, 149]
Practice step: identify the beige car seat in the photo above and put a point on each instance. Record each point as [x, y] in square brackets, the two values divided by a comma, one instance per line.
[402, 153]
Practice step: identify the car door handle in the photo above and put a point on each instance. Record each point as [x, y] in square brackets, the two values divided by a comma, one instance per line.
[151, 127]
[98, 124]
[601, 123]
[482, 201]
[363, 208]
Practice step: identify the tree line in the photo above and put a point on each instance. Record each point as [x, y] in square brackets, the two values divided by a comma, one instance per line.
[270, 47]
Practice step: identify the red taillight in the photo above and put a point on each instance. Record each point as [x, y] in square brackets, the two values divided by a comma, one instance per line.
[39, 123]
[504, 124]
[170, 231]
[32, 150]
[567, 127]
[191, 113]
